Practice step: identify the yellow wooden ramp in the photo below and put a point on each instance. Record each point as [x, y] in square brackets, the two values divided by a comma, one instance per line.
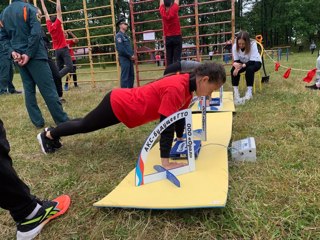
[206, 187]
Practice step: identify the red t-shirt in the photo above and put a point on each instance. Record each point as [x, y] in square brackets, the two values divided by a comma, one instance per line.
[70, 44]
[136, 106]
[170, 20]
[57, 35]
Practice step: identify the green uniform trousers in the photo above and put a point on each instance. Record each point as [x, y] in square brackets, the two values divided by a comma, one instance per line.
[37, 73]
[6, 75]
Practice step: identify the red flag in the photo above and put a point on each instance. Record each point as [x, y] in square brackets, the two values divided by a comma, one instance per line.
[310, 75]
[276, 67]
[287, 73]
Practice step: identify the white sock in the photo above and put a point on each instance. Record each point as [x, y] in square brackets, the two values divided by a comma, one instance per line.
[249, 90]
[236, 92]
[34, 212]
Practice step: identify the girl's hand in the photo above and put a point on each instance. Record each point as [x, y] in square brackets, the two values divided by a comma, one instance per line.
[237, 65]
[235, 72]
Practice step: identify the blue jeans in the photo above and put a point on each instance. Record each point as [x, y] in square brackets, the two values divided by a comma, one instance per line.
[64, 61]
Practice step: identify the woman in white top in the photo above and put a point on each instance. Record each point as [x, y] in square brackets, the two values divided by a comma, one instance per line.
[246, 59]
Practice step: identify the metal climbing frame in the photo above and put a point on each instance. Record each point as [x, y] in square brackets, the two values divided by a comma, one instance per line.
[206, 26]
[95, 28]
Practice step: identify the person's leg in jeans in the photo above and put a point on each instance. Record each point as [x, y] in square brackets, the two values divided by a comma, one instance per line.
[131, 76]
[59, 60]
[173, 68]
[63, 58]
[125, 71]
[169, 51]
[177, 49]
[56, 77]
[67, 62]
[74, 75]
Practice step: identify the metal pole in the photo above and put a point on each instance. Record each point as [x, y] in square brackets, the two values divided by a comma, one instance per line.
[114, 28]
[233, 25]
[196, 12]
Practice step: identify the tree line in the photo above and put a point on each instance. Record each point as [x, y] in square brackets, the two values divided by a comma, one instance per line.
[280, 22]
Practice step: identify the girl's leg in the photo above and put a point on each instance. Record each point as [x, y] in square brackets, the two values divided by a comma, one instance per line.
[101, 117]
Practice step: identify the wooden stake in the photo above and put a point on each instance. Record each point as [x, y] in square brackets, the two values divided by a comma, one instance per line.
[89, 42]
[114, 34]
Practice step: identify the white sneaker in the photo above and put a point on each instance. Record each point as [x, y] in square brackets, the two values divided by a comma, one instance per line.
[239, 101]
[248, 96]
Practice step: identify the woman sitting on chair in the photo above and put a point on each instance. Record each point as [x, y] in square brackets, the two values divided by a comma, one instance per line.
[246, 59]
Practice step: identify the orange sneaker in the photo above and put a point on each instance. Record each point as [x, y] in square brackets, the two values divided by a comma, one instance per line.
[29, 228]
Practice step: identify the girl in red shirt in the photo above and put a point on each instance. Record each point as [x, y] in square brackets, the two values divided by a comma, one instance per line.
[136, 106]
[171, 30]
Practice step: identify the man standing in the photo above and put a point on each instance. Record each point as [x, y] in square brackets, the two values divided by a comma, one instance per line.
[171, 30]
[125, 53]
[313, 46]
[21, 36]
[54, 25]
[6, 70]
[29, 213]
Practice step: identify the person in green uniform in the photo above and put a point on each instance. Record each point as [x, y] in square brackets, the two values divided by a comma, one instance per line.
[21, 36]
[6, 71]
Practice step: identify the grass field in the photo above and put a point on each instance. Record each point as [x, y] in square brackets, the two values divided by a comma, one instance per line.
[278, 197]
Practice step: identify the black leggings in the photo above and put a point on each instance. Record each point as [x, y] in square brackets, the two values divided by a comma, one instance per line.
[100, 117]
[15, 194]
[250, 70]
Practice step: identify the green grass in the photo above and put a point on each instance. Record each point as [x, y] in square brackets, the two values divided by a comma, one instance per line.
[275, 198]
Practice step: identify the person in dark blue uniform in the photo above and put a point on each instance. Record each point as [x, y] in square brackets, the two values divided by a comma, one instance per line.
[6, 70]
[126, 55]
[21, 36]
